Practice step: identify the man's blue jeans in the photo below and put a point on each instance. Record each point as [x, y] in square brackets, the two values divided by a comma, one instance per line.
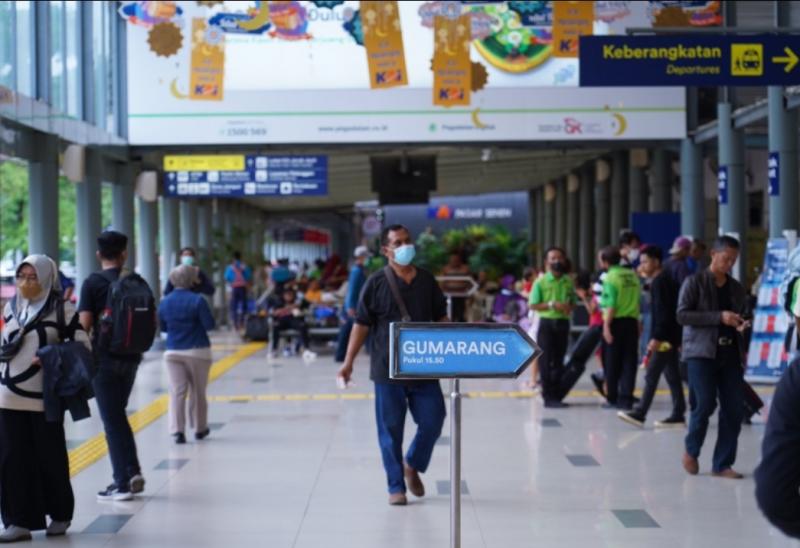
[426, 403]
[343, 339]
[112, 388]
[707, 380]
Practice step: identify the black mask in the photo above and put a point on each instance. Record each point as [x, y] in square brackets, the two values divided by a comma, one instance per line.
[557, 267]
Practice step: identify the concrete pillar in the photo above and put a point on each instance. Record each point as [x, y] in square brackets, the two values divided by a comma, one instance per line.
[638, 191]
[692, 189]
[540, 224]
[587, 213]
[147, 240]
[783, 143]
[602, 211]
[533, 225]
[88, 218]
[561, 212]
[661, 180]
[573, 218]
[732, 195]
[619, 193]
[549, 215]
[205, 237]
[221, 260]
[122, 218]
[170, 235]
[43, 236]
[188, 216]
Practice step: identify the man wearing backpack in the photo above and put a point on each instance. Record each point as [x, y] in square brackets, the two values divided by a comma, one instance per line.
[119, 309]
[239, 276]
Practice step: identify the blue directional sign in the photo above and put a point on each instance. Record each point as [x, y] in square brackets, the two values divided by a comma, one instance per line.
[773, 173]
[253, 175]
[690, 60]
[458, 350]
[722, 183]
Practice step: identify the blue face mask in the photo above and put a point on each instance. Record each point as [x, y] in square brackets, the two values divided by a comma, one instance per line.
[404, 254]
[187, 260]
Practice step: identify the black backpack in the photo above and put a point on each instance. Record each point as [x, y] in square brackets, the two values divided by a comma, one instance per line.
[127, 325]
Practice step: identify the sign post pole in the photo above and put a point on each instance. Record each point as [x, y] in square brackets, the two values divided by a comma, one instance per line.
[455, 465]
[438, 350]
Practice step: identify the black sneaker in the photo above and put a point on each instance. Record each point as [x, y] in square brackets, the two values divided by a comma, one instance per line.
[115, 494]
[598, 384]
[137, 484]
[555, 404]
[671, 422]
[632, 417]
[180, 438]
[202, 435]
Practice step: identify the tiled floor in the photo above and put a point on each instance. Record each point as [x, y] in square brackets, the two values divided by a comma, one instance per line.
[303, 472]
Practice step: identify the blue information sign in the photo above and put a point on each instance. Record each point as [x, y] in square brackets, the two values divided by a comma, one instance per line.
[773, 173]
[458, 350]
[722, 183]
[261, 176]
[690, 60]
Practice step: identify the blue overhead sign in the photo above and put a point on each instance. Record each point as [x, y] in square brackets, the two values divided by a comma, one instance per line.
[690, 60]
[458, 350]
[241, 176]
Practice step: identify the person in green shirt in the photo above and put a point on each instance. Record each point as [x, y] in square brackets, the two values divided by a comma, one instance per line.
[553, 298]
[620, 304]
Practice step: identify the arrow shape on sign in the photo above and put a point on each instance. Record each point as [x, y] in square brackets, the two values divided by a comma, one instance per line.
[790, 60]
[422, 350]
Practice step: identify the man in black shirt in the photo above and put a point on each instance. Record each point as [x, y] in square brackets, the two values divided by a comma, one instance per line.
[377, 308]
[115, 375]
[665, 339]
[778, 475]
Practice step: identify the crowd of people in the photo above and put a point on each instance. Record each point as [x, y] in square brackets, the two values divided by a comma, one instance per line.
[683, 316]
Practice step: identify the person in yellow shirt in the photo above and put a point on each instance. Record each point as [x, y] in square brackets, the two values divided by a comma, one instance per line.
[553, 298]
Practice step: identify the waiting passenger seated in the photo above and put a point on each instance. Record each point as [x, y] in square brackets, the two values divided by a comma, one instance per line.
[290, 314]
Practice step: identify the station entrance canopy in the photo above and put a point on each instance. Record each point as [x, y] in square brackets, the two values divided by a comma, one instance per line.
[314, 72]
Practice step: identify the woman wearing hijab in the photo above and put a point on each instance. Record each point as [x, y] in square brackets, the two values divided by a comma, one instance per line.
[186, 318]
[34, 467]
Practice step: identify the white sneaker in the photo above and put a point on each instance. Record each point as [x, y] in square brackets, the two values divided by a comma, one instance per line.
[58, 528]
[14, 533]
[309, 356]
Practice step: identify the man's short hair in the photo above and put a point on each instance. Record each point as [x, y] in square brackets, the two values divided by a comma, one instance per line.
[391, 228]
[628, 237]
[237, 255]
[188, 249]
[556, 248]
[610, 254]
[654, 252]
[722, 242]
[111, 244]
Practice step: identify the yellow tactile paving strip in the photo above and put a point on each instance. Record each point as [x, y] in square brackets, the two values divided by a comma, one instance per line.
[95, 448]
[497, 394]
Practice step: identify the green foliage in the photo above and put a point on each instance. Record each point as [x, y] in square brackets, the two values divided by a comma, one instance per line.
[431, 253]
[13, 207]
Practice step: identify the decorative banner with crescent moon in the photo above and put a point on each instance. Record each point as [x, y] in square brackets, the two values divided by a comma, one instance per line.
[383, 41]
[452, 68]
[208, 62]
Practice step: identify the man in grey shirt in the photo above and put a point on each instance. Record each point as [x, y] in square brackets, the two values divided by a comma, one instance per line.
[711, 308]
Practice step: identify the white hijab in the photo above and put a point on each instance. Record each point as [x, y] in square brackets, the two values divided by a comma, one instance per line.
[47, 272]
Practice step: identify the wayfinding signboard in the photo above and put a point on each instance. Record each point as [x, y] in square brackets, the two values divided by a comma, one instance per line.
[458, 350]
[236, 175]
[690, 60]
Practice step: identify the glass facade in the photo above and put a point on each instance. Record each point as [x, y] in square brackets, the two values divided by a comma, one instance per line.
[73, 25]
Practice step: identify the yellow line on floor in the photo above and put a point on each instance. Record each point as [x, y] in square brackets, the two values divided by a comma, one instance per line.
[95, 448]
[345, 396]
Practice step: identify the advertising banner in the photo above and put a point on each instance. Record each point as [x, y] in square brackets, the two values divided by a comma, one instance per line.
[208, 62]
[383, 42]
[767, 358]
[452, 69]
[571, 20]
